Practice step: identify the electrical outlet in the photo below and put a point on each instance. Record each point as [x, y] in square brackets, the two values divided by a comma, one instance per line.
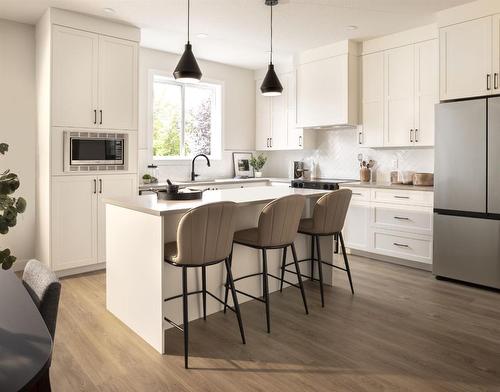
[394, 164]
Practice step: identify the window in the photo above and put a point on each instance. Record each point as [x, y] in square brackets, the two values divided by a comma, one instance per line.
[186, 119]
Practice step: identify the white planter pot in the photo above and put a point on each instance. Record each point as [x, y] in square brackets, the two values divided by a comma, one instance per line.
[258, 174]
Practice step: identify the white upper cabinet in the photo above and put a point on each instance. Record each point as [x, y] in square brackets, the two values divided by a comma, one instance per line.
[426, 91]
[327, 92]
[466, 59]
[400, 90]
[399, 70]
[263, 123]
[372, 131]
[117, 83]
[74, 82]
[496, 54]
[94, 80]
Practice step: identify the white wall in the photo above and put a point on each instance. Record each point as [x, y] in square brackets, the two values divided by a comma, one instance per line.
[18, 116]
[336, 153]
[238, 114]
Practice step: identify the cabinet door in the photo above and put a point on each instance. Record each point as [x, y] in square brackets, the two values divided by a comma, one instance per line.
[295, 137]
[426, 91]
[322, 92]
[263, 124]
[74, 221]
[372, 134]
[356, 226]
[465, 59]
[119, 185]
[399, 101]
[279, 119]
[496, 53]
[117, 83]
[74, 77]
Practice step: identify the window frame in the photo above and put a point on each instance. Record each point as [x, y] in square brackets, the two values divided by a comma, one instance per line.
[217, 145]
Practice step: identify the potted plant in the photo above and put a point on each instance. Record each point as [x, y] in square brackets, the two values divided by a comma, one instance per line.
[258, 163]
[9, 208]
[146, 178]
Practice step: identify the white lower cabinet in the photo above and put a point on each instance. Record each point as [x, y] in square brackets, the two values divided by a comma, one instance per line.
[78, 217]
[394, 223]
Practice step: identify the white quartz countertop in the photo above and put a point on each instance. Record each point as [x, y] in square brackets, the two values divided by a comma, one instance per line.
[214, 181]
[387, 185]
[243, 196]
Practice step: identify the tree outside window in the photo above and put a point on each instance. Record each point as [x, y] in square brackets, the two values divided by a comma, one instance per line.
[186, 119]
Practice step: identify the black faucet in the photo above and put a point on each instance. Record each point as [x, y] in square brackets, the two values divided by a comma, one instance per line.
[193, 174]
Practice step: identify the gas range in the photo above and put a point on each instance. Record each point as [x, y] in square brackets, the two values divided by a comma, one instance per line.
[320, 183]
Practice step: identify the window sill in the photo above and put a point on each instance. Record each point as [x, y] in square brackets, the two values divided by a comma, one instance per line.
[179, 161]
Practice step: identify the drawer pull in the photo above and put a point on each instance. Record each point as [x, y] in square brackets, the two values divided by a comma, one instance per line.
[401, 197]
[401, 218]
[400, 245]
[357, 193]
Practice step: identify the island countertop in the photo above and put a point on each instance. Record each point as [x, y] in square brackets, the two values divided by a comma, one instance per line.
[244, 196]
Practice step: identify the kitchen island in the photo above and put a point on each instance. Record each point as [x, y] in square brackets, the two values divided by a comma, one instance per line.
[138, 280]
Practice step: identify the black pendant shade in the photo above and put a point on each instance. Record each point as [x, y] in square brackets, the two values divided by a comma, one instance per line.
[271, 85]
[187, 69]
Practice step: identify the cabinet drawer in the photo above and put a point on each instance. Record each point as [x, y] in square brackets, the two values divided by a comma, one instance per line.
[416, 220]
[420, 198]
[359, 194]
[409, 247]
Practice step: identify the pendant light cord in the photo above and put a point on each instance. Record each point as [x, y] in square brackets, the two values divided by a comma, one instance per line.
[271, 54]
[189, 4]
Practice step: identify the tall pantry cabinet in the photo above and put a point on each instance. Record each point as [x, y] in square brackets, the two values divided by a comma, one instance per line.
[87, 73]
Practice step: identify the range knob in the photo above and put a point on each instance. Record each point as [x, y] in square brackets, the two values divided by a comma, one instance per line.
[326, 186]
[301, 185]
[295, 185]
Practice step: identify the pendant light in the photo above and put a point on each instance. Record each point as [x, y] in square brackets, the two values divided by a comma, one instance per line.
[187, 69]
[271, 85]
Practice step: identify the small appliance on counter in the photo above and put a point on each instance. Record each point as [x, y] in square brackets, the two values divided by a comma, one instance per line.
[423, 179]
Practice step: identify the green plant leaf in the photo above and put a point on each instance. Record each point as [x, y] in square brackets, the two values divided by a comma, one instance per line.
[4, 147]
[21, 205]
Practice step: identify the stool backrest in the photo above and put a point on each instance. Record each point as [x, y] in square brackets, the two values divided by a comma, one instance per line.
[44, 289]
[205, 233]
[279, 220]
[330, 211]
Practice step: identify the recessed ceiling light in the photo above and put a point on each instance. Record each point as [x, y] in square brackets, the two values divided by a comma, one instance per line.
[351, 27]
[202, 35]
[109, 10]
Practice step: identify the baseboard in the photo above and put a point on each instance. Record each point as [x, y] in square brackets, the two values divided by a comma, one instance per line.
[80, 270]
[393, 260]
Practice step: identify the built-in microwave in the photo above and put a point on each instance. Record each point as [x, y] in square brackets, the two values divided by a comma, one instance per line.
[84, 151]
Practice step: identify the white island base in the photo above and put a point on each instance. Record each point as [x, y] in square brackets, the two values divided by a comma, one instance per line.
[138, 280]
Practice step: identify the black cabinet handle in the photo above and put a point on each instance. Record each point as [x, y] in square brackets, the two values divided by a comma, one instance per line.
[400, 245]
[271, 142]
[488, 82]
[495, 80]
[95, 186]
[411, 135]
[100, 185]
[401, 218]
[401, 197]
[100, 112]
[95, 116]
[300, 141]
[416, 137]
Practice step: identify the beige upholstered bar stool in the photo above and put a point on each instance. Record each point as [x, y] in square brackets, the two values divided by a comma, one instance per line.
[328, 220]
[277, 229]
[204, 238]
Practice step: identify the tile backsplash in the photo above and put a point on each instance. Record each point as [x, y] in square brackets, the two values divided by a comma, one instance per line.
[336, 156]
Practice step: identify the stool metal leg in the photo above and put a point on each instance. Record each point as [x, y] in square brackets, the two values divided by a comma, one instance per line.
[320, 267]
[185, 315]
[299, 277]
[227, 279]
[283, 269]
[204, 289]
[312, 258]
[235, 300]
[265, 287]
[346, 262]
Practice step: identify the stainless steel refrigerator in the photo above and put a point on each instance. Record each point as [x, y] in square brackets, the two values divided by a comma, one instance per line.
[467, 191]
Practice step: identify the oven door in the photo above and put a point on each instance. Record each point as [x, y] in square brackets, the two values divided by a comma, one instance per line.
[96, 151]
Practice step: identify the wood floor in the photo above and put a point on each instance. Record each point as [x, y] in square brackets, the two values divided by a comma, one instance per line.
[402, 330]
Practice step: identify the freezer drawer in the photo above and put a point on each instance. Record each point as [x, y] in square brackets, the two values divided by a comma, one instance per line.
[494, 155]
[467, 249]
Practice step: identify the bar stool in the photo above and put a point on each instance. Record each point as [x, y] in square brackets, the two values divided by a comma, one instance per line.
[204, 238]
[277, 229]
[328, 220]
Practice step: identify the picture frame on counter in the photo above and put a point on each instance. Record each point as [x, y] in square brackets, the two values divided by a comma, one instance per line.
[241, 165]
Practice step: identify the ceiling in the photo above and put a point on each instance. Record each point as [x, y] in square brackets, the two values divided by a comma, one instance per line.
[238, 30]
